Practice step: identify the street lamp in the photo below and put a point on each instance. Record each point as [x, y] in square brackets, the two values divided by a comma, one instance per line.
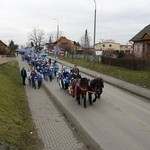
[94, 26]
[57, 28]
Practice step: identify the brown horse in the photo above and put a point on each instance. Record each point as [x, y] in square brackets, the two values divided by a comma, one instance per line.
[96, 88]
[81, 90]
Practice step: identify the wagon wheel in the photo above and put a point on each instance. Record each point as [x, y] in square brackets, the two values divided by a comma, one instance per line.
[70, 90]
[61, 84]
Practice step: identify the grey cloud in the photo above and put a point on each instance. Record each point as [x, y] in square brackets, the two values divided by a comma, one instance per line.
[118, 20]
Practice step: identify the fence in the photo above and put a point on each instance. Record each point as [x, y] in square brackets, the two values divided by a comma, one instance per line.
[2, 56]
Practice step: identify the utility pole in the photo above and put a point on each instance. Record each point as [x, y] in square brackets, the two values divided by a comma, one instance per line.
[94, 27]
[57, 28]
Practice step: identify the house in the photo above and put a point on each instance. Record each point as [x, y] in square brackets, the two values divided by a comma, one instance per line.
[2, 45]
[126, 48]
[108, 45]
[65, 44]
[141, 43]
[4, 50]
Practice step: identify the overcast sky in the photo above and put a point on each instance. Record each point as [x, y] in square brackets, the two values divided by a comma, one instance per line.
[119, 20]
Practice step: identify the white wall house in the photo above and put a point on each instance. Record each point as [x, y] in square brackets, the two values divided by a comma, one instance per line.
[108, 45]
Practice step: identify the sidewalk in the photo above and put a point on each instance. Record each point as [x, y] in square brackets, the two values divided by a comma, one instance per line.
[52, 127]
[3, 60]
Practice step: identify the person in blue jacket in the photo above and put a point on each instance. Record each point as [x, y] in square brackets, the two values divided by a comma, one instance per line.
[66, 82]
[50, 74]
[56, 68]
[39, 79]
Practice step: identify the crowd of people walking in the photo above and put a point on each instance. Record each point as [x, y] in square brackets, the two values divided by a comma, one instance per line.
[40, 68]
[43, 68]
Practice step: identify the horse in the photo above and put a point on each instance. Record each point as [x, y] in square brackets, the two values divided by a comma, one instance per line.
[96, 88]
[81, 89]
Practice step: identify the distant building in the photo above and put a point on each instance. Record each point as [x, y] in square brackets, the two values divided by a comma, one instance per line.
[110, 45]
[65, 44]
[141, 43]
[63, 41]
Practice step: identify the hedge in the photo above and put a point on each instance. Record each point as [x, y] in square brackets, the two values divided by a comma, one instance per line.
[128, 63]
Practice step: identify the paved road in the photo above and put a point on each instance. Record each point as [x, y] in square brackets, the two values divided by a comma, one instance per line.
[118, 121]
[53, 130]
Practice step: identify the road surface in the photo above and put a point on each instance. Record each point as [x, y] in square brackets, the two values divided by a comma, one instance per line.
[118, 121]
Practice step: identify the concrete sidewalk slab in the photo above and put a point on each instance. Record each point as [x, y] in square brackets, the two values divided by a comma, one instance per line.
[53, 130]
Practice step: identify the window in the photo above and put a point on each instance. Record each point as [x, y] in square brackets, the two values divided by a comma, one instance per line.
[138, 48]
[110, 45]
[103, 45]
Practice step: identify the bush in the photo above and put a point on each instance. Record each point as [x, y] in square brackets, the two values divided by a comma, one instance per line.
[128, 63]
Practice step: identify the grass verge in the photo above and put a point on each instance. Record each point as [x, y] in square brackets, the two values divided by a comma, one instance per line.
[140, 78]
[16, 123]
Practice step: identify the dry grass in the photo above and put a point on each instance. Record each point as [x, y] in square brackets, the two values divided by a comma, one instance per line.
[16, 123]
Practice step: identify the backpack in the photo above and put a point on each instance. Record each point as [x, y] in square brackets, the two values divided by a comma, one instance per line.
[39, 77]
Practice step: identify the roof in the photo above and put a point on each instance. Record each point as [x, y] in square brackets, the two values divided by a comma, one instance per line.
[2, 43]
[144, 31]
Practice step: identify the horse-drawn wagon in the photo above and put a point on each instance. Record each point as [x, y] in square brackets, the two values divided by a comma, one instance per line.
[81, 87]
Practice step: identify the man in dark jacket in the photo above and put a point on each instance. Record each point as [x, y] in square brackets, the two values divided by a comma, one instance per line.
[33, 77]
[39, 79]
[75, 72]
[23, 75]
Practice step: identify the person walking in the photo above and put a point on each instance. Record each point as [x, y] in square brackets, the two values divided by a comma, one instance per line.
[33, 77]
[56, 68]
[23, 75]
[51, 74]
[29, 76]
[39, 79]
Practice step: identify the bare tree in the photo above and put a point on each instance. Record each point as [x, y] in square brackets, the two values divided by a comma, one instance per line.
[37, 36]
